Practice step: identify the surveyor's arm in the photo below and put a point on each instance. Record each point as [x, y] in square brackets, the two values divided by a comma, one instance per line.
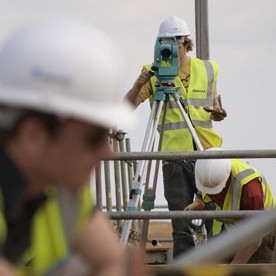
[96, 251]
[242, 256]
[99, 247]
[197, 204]
[133, 95]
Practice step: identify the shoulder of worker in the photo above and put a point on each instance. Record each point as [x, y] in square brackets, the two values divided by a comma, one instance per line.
[214, 63]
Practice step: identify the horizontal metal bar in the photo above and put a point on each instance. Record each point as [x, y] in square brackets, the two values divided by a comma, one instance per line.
[157, 206]
[191, 155]
[129, 215]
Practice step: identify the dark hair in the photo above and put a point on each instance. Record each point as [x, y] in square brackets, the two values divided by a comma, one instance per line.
[188, 43]
[51, 122]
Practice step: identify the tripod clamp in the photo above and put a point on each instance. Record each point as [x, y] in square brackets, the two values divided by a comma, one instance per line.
[165, 90]
[134, 191]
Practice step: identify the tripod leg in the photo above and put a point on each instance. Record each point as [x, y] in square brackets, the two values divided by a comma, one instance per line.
[150, 192]
[190, 126]
[139, 175]
[149, 136]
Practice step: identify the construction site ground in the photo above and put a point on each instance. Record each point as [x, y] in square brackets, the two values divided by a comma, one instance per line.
[159, 258]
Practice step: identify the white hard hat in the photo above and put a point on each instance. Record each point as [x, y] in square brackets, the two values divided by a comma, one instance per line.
[211, 175]
[65, 67]
[173, 26]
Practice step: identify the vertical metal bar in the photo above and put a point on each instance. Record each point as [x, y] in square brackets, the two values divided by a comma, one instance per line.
[108, 193]
[98, 173]
[135, 165]
[131, 172]
[129, 165]
[118, 191]
[202, 29]
[123, 176]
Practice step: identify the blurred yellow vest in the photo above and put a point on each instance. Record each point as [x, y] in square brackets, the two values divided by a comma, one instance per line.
[48, 243]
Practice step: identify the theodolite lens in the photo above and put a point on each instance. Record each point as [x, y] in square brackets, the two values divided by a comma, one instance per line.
[166, 53]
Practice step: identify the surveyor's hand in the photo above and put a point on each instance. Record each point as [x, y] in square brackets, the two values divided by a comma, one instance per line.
[197, 205]
[218, 114]
[97, 244]
[143, 78]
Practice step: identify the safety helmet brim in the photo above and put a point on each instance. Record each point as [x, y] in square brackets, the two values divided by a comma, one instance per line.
[106, 114]
[208, 190]
[65, 67]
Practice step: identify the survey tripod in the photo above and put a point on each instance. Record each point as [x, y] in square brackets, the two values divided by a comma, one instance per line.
[165, 69]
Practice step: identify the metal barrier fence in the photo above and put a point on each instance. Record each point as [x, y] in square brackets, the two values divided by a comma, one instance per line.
[124, 164]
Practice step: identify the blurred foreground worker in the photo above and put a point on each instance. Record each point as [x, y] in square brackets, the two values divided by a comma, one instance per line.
[233, 184]
[197, 80]
[56, 108]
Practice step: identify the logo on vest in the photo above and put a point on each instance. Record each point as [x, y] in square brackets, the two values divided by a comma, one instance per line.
[199, 90]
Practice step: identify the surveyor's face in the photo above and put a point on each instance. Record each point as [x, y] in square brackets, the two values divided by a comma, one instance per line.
[181, 48]
[73, 153]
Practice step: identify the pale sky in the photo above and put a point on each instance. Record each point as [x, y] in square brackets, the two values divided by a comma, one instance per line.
[242, 40]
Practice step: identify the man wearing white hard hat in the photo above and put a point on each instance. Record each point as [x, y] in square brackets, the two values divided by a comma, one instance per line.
[56, 108]
[197, 80]
[233, 184]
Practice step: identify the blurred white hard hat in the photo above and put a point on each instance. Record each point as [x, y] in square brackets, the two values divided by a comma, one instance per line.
[65, 67]
[173, 26]
[211, 175]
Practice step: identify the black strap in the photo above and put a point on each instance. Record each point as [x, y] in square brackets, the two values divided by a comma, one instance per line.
[18, 211]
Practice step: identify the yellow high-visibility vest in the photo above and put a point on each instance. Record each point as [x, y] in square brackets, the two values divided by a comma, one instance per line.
[176, 135]
[242, 173]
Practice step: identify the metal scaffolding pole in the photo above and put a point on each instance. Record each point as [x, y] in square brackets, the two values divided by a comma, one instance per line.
[237, 215]
[202, 30]
[118, 190]
[269, 153]
[99, 202]
[108, 192]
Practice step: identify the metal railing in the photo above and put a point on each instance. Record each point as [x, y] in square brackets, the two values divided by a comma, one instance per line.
[253, 225]
[193, 155]
[159, 215]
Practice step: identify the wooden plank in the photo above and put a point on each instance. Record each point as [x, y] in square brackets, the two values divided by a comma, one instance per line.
[159, 235]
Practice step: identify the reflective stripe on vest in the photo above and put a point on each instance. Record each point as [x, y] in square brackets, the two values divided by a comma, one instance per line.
[243, 173]
[236, 187]
[181, 125]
